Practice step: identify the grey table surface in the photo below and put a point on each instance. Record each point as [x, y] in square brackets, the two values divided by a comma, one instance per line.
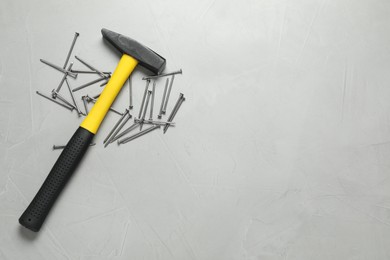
[281, 150]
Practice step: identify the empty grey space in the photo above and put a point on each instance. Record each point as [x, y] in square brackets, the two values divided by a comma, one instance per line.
[280, 150]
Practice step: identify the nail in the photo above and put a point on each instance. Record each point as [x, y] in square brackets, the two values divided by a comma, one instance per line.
[60, 97]
[57, 147]
[104, 83]
[145, 109]
[90, 72]
[71, 74]
[115, 126]
[55, 101]
[70, 91]
[170, 118]
[74, 101]
[130, 93]
[84, 98]
[76, 34]
[62, 80]
[152, 101]
[118, 129]
[128, 139]
[128, 130]
[177, 105]
[89, 99]
[88, 84]
[163, 99]
[96, 96]
[154, 122]
[91, 67]
[163, 75]
[169, 93]
[174, 111]
[143, 98]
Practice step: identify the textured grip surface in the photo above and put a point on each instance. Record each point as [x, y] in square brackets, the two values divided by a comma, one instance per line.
[36, 212]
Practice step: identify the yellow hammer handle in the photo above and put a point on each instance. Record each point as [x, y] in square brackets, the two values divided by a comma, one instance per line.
[122, 72]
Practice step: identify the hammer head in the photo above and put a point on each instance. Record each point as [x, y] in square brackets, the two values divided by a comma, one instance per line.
[145, 56]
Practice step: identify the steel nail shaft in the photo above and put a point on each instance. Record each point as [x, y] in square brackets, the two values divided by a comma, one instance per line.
[60, 97]
[71, 74]
[88, 84]
[170, 118]
[145, 109]
[91, 67]
[89, 99]
[89, 72]
[128, 130]
[73, 99]
[84, 98]
[130, 93]
[62, 80]
[163, 99]
[168, 94]
[143, 98]
[154, 122]
[57, 147]
[128, 139]
[55, 101]
[76, 34]
[115, 126]
[163, 75]
[118, 129]
[96, 96]
[174, 111]
[152, 101]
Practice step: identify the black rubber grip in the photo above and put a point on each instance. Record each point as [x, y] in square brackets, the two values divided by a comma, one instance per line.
[35, 214]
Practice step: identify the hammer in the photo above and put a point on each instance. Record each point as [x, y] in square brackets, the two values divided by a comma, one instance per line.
[133, 53]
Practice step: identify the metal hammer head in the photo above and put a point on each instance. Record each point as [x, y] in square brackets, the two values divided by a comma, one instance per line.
[145, 56]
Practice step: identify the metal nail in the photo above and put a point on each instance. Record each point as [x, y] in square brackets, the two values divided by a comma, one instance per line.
[71, 74]
[128, 139]
[62, 81]
[163, 75]
[55, 101]
[91, 67]
[152, 101]
[174, 111]
[89, 99]
[163, 99]
[168, 94]
[170, 118]
[96, 96]
[115, 126]
[118, 129]
[73, 99]
[90, 72]
[57, 147]
[84, 98]
[76, 34]
[104, 83]
[143, 98]
[88, 84]
[60, 97]
[70, 90]
[128, 130]
[177, 105]
[130, 93]
[154, 122]
[145, 109]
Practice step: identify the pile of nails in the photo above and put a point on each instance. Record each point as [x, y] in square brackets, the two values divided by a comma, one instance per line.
[148, 100]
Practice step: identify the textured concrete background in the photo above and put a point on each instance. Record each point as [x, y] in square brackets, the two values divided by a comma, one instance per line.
[281, 150]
